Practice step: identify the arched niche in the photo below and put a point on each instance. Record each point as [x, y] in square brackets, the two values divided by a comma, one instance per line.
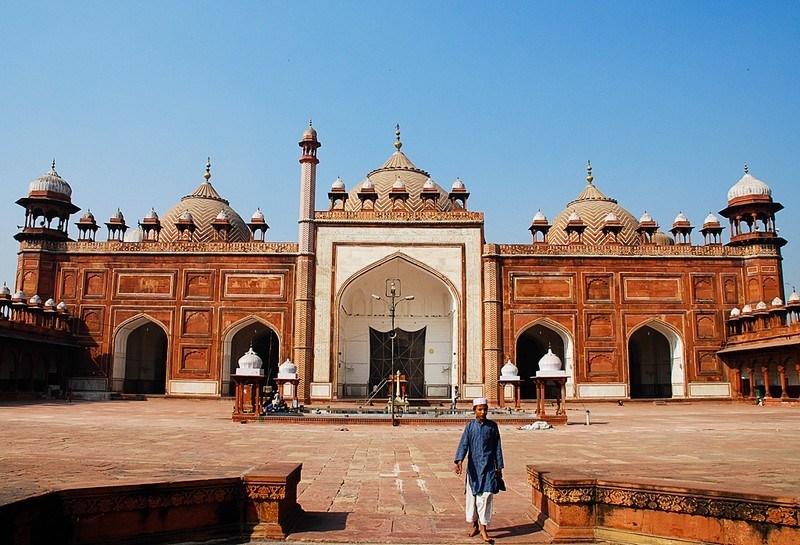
[237, 340]
[533, 342]
[656, 362]
[141, 356]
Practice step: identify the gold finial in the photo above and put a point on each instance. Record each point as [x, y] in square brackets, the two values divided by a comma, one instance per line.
[746, 171]
[207, 175]
[589, 176]
[310, 122]
[398, 144]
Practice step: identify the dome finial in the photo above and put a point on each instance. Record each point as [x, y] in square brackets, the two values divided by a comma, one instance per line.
[207, 175]
[53, 166]
[746, 170]
[589, 177]
[398, 144]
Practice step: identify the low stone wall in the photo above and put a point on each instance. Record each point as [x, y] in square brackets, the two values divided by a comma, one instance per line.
[573, 507]
[260, 504]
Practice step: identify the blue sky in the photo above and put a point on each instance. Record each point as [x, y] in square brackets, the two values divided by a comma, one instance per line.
[667, 99]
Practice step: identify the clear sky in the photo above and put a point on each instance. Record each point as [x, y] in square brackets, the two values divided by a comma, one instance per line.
[667, 99]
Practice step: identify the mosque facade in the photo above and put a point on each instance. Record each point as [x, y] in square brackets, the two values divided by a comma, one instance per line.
[170, 305]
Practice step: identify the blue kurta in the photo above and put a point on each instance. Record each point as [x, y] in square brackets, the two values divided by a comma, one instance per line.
[482, 442]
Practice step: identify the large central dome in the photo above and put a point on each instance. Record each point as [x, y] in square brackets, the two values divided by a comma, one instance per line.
[593, 207]
[398, 169]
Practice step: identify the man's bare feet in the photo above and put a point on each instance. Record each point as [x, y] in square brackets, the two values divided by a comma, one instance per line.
[474, 531]
[485, 535]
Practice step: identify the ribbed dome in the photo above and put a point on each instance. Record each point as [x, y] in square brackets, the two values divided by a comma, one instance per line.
[133, 235]
[777, 302]
[203, 206]
[458, 184]
[681, 218]
[258, 215]
[287, 369]
[711, 219]
[118, 215]
[611, 216]
[383, 180]
[337, 184]
[400, 184]
[250, 360]
[509, 370]
[735, 312]
[88, 216]
[660, 238]
[747, 186]
[222, 215]
[52, 182]
[539, 216]
[151, 215]
[794, 297]
[592, 207]
[646, 218]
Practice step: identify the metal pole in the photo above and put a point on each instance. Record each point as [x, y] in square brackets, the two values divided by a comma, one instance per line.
[392, 335]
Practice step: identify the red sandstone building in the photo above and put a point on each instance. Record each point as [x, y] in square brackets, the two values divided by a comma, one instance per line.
[170, 305]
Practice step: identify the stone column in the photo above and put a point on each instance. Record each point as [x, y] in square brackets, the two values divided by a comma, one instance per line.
[492, 324]
[782, 371]
[765, 371]
[751, 375]
[736, 382]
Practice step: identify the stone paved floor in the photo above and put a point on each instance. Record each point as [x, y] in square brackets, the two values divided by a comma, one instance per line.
[368, 483]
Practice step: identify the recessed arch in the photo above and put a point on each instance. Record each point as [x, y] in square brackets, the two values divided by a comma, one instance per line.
[433, 355]
[568, 344]
[121, 348]
[674, 355]
[230, 359]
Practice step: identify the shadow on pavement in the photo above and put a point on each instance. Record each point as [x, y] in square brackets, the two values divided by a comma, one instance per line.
[321, 521]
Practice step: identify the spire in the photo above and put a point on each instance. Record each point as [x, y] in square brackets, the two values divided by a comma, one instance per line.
[589, 177]
[207, 175]
[398, 144]
[53, 166]
[746, 171]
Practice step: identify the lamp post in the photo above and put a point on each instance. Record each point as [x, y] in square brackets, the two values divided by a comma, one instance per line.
[393, 292]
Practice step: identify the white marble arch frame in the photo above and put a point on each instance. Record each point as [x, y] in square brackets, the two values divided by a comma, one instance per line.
[458, 340]
[569, 348]
[121, 335]
[227, 342]
[676, 349]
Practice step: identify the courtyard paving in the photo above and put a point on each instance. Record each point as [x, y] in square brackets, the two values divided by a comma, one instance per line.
[377, 484]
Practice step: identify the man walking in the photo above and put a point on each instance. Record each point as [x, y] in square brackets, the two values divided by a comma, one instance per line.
[481, 440]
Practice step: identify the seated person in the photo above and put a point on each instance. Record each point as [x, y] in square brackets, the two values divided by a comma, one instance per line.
[277, 404]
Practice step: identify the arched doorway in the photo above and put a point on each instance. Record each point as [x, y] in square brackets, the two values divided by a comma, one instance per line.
[532, 344]
[426, 345]
[141, 349]
[650, 364]
[265, 343]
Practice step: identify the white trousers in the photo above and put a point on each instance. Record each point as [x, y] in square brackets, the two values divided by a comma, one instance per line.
[479, 508]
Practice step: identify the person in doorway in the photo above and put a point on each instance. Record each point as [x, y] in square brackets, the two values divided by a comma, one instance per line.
[454, 400]
[481, 441]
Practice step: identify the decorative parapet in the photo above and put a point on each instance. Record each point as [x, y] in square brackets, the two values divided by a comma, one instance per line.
[400, 216]
[570, 505]
[644, 250]
[178, 247]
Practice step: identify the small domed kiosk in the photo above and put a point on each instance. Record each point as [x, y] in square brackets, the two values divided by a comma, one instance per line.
[510, 382]
[551, 369]
[287, 380]
[249, 379]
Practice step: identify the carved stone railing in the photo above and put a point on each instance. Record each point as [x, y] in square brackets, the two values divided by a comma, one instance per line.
[573, 507]
[400, 216]
[113, 246]
[644, 250]
[260, 504]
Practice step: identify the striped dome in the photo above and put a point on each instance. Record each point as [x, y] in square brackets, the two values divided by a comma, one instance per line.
[749, 185]
[203, 206]
[52, 183]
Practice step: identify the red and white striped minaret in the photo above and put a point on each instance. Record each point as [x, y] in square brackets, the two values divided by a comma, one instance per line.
[304, 279]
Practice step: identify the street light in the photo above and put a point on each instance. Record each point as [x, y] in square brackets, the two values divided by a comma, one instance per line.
[393, 293]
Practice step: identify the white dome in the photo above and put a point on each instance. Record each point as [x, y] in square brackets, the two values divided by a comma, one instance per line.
[50, 303]
[62, 306]
[761, 306]
[646, 218]
[710, 218]
[611, 216]
[4, 290]
[257, 215]
[681, 218]
[222, 215]
[747, 309]
[187, 216]
[151, 215]
[550, 365]
[777, 302]
[794, 297]
[539, 216]
[735, 312]
[310, 133]
[117, 215]
[509, 370]
[88, 216]
[36, 300]
[749, 185]
[250, 364]
[398, 184]
[429, 184]
[337, 184]
[287, 369]
[52, 182]
[369, 185]
[574, 217]
[458, 184]
[133, 235]
[19, 296]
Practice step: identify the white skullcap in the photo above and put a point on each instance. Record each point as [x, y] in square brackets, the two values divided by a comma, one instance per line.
[480, 401]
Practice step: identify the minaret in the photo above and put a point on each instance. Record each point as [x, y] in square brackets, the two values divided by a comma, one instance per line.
[304, 279]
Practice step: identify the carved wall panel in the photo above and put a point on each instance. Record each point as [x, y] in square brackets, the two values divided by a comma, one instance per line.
[601, 362]
[706, 326]
[145, 284]
[68, 285]
[198, 284]
[599, 326]
[94, 283]
[771, 290]
[196, 322]
[92, 320]
[542, 287]
[707, 363]
[730, 291]
[194, 359]
[254, 285]
[29, 279]
[703, 287]
[598, 288]
[653, 288]
[753, 291]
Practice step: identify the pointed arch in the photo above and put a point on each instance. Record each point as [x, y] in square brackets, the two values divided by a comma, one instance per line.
[676, 348]
[120, 337]
[569, 347]
[227, 345]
